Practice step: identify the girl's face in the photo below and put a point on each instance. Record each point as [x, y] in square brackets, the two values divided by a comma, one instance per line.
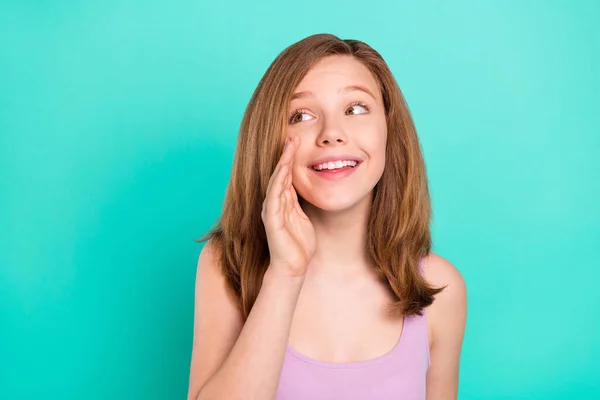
[338, 112]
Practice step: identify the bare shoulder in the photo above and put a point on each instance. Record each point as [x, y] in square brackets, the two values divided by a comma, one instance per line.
[446, 321]
[208, 266]
[210, 277]
[440, 272]
[212, 296]
[217, 320]
[448, 311]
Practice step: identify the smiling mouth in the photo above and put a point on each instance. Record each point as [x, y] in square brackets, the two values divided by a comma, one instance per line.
[335, 168]
[333, 171]
[335, 174]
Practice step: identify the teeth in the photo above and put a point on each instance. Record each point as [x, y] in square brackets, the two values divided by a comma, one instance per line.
[335, 165]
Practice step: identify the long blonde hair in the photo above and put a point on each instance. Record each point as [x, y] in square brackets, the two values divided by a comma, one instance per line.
[398, 233]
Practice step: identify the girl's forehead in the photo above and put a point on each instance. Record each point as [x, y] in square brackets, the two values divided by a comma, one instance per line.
[340, 75]
[338, 67]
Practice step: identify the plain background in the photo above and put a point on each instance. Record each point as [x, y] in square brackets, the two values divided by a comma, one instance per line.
[118, 122]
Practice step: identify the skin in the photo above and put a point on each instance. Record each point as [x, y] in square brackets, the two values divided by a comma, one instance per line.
[337, 292]
[339, 282]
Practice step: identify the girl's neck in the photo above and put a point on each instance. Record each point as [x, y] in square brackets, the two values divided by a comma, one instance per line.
[341, 237]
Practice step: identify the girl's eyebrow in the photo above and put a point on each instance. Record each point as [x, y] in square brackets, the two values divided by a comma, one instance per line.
[309, 94]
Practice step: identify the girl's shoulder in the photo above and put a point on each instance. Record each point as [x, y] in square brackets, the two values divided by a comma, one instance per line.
[438, 271]
[449, 306]
[446, 321]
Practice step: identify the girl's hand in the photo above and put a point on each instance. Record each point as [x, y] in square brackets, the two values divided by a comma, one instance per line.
[290, 234]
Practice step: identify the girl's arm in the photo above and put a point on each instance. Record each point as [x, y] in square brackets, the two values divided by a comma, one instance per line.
[446, 319]
[232, 359]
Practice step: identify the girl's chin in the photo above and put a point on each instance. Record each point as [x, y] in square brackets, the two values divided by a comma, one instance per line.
[328, 205]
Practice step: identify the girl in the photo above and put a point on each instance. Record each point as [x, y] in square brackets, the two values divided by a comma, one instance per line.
[318, 282]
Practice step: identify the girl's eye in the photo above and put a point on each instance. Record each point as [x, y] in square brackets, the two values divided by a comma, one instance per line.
[356, 108]
[296, 117]
[358, 105]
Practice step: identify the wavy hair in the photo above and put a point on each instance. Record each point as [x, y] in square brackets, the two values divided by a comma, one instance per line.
[398, 234]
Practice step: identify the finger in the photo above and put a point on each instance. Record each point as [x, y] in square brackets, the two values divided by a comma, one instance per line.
[278, 183]
[287, 163]
[273, 177]
[278, 166]
[274, 202]
[294, 194]
[296, 203]
[300, 211]
[289, 194]
[283, 202]
[286, 179]
[290, 161]
[289, 150]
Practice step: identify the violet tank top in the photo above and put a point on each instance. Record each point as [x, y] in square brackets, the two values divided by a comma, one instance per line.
[399, 374]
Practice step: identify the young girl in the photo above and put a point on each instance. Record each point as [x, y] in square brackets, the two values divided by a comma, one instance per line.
[318, 281]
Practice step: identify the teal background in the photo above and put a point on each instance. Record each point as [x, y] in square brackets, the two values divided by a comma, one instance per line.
[118, 122]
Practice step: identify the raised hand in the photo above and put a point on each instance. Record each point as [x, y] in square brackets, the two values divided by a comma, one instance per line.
[290, 234]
